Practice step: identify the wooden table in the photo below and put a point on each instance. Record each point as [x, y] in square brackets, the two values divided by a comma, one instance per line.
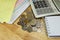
[15, 32]
[42, 35]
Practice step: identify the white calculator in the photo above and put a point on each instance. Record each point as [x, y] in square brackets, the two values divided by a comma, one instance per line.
[43, 8]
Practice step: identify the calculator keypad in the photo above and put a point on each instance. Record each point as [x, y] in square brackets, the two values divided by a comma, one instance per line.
[40, 4]
[42, 7]
[43, 11]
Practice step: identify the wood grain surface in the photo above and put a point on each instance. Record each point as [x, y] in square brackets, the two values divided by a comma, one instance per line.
[15, 32]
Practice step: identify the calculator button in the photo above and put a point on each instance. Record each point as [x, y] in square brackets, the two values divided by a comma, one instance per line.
[45, 4]
[35, 4]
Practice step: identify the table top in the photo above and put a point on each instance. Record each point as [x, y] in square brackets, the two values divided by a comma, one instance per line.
[40, 35]
[15, 32]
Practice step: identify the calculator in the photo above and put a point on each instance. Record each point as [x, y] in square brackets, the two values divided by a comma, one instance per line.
[42, 8]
